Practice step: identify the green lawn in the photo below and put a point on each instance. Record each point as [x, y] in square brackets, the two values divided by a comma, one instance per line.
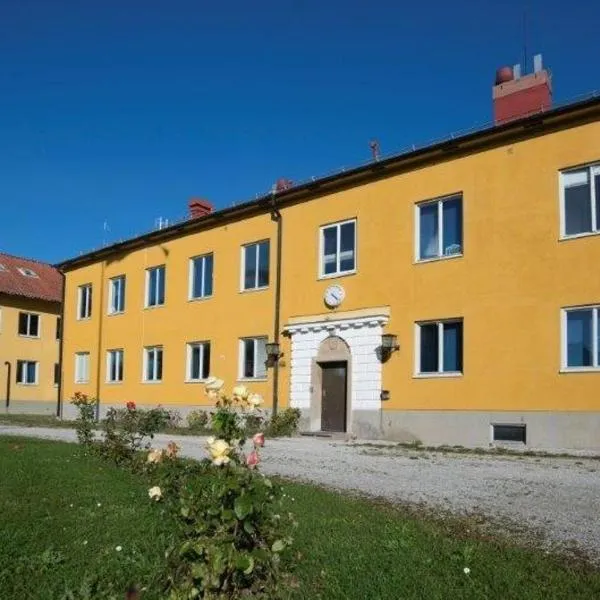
[55, 540]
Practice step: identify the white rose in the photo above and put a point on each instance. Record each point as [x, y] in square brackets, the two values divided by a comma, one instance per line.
[155, 493]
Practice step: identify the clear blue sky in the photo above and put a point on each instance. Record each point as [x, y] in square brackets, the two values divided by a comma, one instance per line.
[120, 111]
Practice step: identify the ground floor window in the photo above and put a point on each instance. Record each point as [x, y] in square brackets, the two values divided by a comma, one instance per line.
[114, 366]
[581, 338]
[253, 357]
[198, 361]
[82, 367]
[439, 346]
[153, 363]
[27, 372]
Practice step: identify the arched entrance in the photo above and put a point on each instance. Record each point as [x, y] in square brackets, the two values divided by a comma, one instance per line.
[331, 385]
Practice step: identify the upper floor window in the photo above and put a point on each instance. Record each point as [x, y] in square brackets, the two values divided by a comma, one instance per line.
[580, 201]
[198, 361]
[114, 366]
[338, 248]
[155, 286]
[82, 367]
[153, 363]
[439, 347]
[201, 276]
[253, 356]
[27, 372]
[116, 295]
[84, 301]
[255, 265]
[439, 228]
[581, 338]
[29, 324]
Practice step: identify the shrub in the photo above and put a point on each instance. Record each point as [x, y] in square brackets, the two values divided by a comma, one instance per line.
[198, 420]
[284, 423]
[86, 418]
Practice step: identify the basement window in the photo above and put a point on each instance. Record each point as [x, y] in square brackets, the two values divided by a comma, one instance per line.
[509, 433]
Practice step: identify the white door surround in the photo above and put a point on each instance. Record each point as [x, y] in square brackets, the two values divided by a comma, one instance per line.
[361, 332]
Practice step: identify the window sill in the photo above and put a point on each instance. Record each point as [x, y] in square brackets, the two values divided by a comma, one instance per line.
[27, 384]
[437, 375]
[84, 318]
[154, 306]
[29, 337]
[420, 261]
[113, 382]
[115, 314]
[337, 275]
[152, 381]
[577, 236]
[82, 382]
[257, 289]
[567, 370]
[253, 379]
[200, 298]
[195, 381]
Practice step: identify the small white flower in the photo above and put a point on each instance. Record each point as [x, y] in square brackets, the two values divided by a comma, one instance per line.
[99, 504]
[71, 505]
[119, 548]
[466, 570]
[85, 542]
[155, 493]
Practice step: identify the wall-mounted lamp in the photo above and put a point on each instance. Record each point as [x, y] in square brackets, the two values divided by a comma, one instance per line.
[384, 395]
[389, 343]
[273, 353]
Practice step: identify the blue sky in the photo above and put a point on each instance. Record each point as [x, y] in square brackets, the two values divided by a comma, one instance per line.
[120, 111]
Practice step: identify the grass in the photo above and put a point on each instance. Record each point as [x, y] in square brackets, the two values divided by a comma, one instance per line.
[33, 420]
[346, 548]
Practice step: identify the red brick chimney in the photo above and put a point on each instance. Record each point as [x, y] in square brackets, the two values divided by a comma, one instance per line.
[517, 96]
[199, 208]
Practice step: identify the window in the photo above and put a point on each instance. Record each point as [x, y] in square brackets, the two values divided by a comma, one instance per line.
[29, 324]
[27, 372]
[82, 367]
[580, 201]
[58, 328]
[153, 363]
[84, 301]
[114, 366]
[253, 356]
[581, 338]
[27, 272]
[509, 433]
[439, 228]
[255, 265]
[155, 286]
[338, 248]
[56, 373]
[201, 277]
[116, 295]
[440, 347]
[198, 361]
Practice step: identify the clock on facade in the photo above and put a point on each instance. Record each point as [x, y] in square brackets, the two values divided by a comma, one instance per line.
[334, 295]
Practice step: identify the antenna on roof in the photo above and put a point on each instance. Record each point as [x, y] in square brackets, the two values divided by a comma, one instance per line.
[105, 230]
[161, 223]
[375, 150]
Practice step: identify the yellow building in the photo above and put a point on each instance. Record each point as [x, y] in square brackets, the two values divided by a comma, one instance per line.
[446, 294]
[30, 307]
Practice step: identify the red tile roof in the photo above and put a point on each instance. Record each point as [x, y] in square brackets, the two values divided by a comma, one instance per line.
[44, 281]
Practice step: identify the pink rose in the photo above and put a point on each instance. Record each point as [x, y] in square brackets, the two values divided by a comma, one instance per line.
[259, 440]
[130, 405]
[252, 459]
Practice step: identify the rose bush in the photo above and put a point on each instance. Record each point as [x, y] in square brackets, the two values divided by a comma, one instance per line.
[86, 418]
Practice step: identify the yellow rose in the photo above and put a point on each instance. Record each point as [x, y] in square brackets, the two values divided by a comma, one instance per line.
[155, 456]
[219, 451]
[240, 392]
[213, 386]
[255, 400]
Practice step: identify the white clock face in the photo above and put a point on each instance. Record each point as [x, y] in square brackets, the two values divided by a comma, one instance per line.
[334, 295]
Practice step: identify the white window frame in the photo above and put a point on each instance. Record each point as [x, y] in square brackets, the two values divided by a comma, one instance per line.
[29, 315]
[563, 339]
[243, 263]
[37, 372]
[147, 351]
[86, 289]
[255, 377]
[338, 226]
[440, 218]
[147, 286]
[82, 378]
[440, 372]
[116, 285]
[203, 295]
[188, 360]
[592, 169]
[119, 354]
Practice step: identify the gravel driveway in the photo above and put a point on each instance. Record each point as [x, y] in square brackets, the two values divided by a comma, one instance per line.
[559, 498]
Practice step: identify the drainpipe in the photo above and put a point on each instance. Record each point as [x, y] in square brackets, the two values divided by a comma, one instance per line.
[8, 376]
[100, 308]
[60, 349]
[276, 216]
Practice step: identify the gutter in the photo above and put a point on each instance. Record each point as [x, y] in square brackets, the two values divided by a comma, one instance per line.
[60, 347]
[276, 216]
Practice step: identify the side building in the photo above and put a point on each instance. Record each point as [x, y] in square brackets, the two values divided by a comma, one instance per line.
[30, 330]
[442, 295]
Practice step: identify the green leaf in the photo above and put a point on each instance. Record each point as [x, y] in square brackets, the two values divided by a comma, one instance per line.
[278, 546]
[249, 528]
[242, 507]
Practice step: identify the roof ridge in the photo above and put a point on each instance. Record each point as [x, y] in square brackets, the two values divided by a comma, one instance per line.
[33, 260]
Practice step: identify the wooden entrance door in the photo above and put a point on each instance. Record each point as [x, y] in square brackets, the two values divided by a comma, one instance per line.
[333, 396]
